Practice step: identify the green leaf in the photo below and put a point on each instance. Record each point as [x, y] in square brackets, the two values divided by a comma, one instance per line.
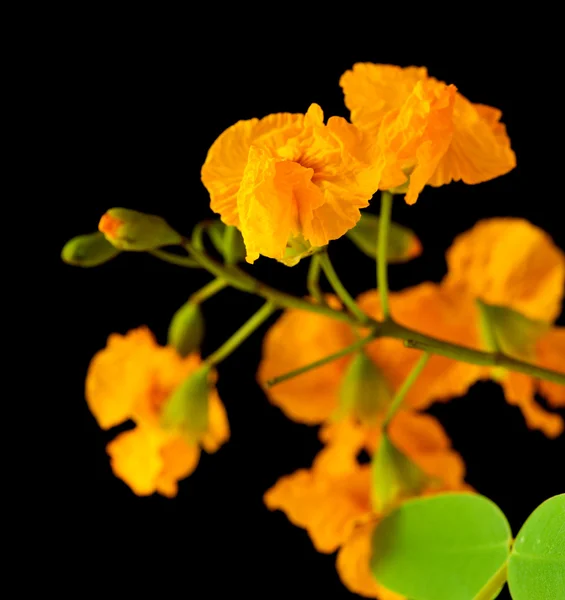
[186, 330]
[88, 250]
[536, 569]
[394, 476]
[403, 244]
[444, 547]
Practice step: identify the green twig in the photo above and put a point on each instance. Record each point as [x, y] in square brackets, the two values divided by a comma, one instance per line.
[318, 363]
[405, 387]
[339, 288]
[313, 281]
[241, 334]
[181, 261]
[382, 251]
[211, 288]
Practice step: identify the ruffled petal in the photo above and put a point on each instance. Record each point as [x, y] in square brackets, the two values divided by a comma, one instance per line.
[274, 198]
[519, 390]
[509, 262]
[353, 566]
[329, 509]
[414, 138]
[372, 90]
[119, 376]
[218, 426]
[480, 148]
[225, 163]
[180, 459]
[135, 457]
[297, 339]
[551, 355]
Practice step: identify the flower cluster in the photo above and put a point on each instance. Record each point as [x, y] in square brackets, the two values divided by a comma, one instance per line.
[364, 370]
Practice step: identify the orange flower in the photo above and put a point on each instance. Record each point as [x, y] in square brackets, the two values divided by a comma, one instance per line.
[511, 265]
[504, 262]
[331, 500]
[427, 132]
[289, 182]
[132, 378]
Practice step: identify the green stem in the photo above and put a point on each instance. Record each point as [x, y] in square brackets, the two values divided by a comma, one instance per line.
[229, 237]
[244, 282]
[339, 288]
[405, 387]
[241, 334]
[382, 251]
[494, 585]
[181, 261]
[319, 363]
[413, 339]
[313, 281]
[208, 290]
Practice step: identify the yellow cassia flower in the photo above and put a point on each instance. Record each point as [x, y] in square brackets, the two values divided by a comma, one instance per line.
[289, 182]
[332, 499]
[132, 378]
[427, 132]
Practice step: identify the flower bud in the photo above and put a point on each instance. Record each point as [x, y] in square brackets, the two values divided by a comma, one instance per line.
[132, 230]
[186, 330]
[505, 330]
[364, 393]
[403, 244]
[88, 250]
[186, 410]
[394, 477]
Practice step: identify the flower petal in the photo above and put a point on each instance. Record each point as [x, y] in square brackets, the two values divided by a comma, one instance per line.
[509, 262]
[353, 566]
[119, 376]
[519, 389]
[295, 340]
[226, 160]
[135, 457]
[328, 508]
[551, 355]
[179, 461]
[218, 426]
[480, 148]
[372, 90]
[273, 199]
[414, 138]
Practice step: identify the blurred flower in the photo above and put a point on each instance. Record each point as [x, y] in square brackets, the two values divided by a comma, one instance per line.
[289, 182]
[427, 132]
[507, 263]
[332, 499]
[133, 378]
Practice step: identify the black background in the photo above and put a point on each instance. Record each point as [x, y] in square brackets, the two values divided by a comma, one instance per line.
[133, 103]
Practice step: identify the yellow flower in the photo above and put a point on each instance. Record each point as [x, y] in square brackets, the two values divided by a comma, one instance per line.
[332, 499]
[289, 182]
[132, 378]
[427, 132]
